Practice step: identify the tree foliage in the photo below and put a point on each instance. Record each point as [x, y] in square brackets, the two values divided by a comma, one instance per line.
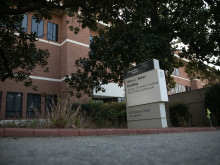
[212, 100]
[180, 115]
[18, 52]
[146, 29]
[140, 30]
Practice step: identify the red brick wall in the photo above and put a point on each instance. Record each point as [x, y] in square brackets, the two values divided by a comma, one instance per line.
[60, 63]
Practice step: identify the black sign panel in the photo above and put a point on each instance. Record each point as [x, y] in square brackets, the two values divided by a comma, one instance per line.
[140, 68]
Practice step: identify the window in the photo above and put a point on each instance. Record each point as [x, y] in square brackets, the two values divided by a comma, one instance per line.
[33, 105]
[188, 88]
[52, 31]
[180, 88]
[50, 101]
[183, 88]
[176, 88]
[176, 72]
[37, 27]
[13, 105]
[24, 23]
[90, 39]
[121, 99]
[173, 90]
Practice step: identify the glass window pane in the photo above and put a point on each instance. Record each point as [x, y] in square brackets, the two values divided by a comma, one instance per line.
[91, 38]
[174, 71]
[183, 87]
[173, 90]
[180, 89]
[54, 33]
[24, 22]
[34, 26]
[177, 72]
[56, 39]
[18, 102]
[41, 29]
[13, 105]
[49, 31]
[33, 104]
[176, 89]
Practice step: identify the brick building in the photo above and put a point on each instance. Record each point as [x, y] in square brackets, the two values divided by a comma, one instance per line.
[65, 47]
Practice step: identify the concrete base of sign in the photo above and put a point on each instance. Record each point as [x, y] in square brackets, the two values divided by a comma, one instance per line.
[147, 116]
[150, 123]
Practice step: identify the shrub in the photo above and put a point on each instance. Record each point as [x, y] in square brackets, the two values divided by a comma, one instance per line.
[212, 100]
[104, 115]
[65, 114]
[180, 115]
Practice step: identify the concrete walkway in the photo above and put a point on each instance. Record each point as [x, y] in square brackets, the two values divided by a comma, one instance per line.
[25, 132]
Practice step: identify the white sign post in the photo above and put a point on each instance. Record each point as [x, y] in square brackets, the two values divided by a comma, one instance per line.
[146, 94]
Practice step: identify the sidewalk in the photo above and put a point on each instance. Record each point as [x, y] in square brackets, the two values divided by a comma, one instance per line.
[27, 132]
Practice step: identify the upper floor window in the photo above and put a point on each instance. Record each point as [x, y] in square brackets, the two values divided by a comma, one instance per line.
[90, 39]
[13, 105]
[37, 27]
[176, 72]
[52, 31]
[24, 22]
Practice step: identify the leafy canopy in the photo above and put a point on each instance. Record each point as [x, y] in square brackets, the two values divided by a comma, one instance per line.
[140, 30]
[18, 52]
[212, 100]
[146, 29]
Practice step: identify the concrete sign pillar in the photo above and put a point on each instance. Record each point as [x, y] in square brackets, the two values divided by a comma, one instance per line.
[146, 94]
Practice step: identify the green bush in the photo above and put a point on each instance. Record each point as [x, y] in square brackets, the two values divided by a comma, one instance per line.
[104, 115]
[180, 115]
[65, 114]
[212, 100]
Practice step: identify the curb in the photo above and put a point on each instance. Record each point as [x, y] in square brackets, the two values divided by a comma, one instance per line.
[27, 132]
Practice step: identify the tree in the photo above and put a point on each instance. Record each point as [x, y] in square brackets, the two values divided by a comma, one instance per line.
[18, 53]
[212, 100]
[146, 29]
[140, 30]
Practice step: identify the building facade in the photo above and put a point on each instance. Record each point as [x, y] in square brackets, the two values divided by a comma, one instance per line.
[17, 101]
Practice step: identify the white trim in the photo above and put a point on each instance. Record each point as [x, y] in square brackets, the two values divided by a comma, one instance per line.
[63, 42]
[102, 23]
[181, 58]
[57, 44]
[17, 34]
[180, 78]
[66, 40]
[197, 79]
[75, 42]
[47, 79]
[62, 79]
[48, 42]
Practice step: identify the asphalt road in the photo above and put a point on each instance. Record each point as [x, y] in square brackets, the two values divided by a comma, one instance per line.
[199, 148]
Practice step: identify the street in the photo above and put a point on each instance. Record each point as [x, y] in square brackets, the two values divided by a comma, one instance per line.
[199, 148]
